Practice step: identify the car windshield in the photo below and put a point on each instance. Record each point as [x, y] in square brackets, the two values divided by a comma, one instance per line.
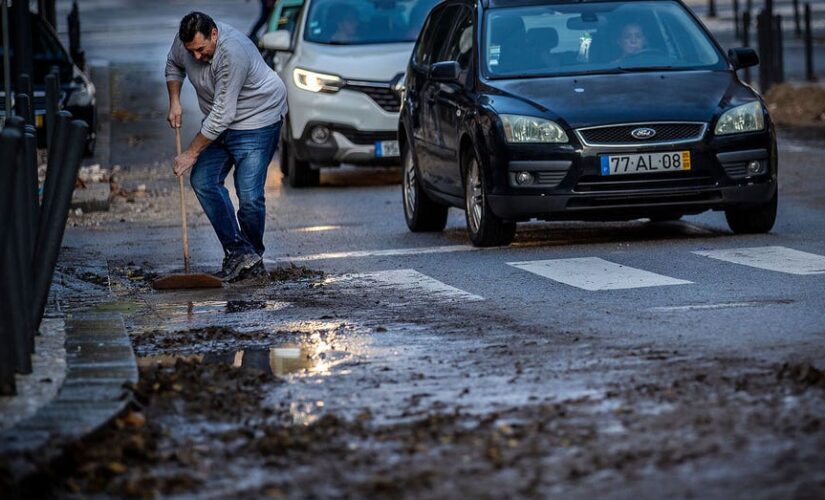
[354, 22]
[602, 37]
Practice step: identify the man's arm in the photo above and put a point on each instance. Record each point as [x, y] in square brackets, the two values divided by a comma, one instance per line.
[175, 117]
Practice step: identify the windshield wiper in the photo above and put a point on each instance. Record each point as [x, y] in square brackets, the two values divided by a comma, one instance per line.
[644, 68]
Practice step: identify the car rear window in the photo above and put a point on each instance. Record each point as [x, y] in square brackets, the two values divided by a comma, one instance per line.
[594, 37]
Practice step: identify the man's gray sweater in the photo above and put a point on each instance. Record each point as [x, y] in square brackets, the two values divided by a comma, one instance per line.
[236, 90]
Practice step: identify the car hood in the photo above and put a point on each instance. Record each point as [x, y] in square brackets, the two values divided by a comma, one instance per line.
[617, 98]
[373, 62]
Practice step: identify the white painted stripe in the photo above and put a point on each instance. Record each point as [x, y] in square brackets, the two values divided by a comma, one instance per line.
[594, 274]
[408, 280]
[372, 253]
[779, 259]
[723, 305]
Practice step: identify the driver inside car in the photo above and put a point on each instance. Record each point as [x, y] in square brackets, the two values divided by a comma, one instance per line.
[632, 40]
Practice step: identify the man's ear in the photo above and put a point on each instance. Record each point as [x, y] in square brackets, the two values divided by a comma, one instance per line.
[214, 33]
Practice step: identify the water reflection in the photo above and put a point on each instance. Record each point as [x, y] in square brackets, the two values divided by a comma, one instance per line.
[317, 359]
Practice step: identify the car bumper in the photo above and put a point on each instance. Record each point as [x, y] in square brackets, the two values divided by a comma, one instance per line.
[568, 184]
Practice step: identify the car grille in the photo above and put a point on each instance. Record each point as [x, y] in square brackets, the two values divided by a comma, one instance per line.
[367, 137]
[621, 134]
[380, 92]
[646, 200]
[676, 181]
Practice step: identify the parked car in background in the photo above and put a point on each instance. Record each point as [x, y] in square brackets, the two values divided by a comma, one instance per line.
[343, 68]
[598, 110]
[77, 94]
[284, 17]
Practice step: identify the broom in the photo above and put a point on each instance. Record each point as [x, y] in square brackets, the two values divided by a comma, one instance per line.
[187, 280]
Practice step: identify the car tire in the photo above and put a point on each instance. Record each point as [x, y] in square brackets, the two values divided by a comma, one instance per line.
[484, 227]
[300, 173]
[753, 220]
[282, 159]
[421, 213]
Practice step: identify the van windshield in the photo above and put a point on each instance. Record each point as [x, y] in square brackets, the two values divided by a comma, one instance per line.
[357, 22]
[601, 37]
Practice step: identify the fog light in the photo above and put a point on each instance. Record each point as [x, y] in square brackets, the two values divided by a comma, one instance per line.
[755, 167]
[319, 134]
[523, 178]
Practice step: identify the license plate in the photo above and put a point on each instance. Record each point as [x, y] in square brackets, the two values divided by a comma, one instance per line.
[38, 121]
[387, 149]
[646, 163]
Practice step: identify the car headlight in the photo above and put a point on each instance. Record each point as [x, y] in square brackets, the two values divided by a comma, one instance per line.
[316, 82]
[83, 91]
[530, 129]
[745, 118]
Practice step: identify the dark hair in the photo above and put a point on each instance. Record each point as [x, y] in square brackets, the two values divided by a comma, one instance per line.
[194, 23]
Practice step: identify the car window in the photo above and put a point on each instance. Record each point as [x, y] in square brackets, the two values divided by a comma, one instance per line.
[443, 22]
[354, 22]
[595, 37]
[286, 19]
[460, 46]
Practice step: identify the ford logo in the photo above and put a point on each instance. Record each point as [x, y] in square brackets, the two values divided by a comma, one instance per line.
[643, 133]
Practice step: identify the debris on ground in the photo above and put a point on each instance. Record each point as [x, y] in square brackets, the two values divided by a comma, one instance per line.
[797, 104]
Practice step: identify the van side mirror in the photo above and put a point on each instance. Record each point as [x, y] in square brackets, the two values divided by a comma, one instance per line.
[743, 57]
[447, 71]
[276, 40]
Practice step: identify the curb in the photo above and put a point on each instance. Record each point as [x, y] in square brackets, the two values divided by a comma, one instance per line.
[100, 362]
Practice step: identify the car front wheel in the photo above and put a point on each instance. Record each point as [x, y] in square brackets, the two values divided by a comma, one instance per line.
[483, 226]
[299, 173]
[421, 213]
[753, 220]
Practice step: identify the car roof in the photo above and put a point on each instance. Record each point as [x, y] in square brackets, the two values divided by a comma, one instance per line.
[492, 4]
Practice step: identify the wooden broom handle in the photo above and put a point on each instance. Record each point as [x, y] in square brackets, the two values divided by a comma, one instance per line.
[184, 229]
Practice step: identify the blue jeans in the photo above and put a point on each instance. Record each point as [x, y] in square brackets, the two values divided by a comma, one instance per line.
[250, 151]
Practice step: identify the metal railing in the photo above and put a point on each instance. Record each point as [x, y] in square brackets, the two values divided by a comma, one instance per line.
[31, 227]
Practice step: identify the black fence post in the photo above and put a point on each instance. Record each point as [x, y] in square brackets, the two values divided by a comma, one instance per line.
[57, 154]
[23, 41]
[47, 253]
[52, 96]
[17, 280]
[22, 106]
[736, 31]
[746, 39]
[796, 19]
[711, 8]
[809, 45]
[73, 21]
[9, 144]
[779, 50]
[764, 26]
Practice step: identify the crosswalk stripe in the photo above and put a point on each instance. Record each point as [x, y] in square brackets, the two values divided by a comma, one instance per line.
[775, 258]
[409, 280]
[373, 253]
[595, 274]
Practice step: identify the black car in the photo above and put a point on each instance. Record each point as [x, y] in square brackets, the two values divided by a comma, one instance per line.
[589, 110]
[77, 93]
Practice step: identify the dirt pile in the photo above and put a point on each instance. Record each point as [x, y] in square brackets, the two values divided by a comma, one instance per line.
[797, 105]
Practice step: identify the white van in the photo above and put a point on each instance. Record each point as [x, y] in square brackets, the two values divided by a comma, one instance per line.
[343, 65]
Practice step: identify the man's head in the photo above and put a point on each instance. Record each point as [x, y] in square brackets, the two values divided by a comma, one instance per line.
[199, 35]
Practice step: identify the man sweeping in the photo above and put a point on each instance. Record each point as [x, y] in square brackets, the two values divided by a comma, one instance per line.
[244, 102]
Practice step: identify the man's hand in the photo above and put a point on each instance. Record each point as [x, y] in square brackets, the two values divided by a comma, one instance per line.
[183, 162]
[175, 117]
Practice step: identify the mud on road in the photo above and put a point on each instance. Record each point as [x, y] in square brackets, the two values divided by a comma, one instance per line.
[307, 387]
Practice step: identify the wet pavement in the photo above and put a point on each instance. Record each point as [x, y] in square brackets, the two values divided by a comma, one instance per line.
[376, 362]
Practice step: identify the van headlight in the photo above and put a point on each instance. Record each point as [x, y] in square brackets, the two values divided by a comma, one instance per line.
[316, 82]
[745, 118]
[519, 128]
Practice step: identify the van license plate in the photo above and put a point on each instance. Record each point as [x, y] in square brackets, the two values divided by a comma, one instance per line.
[646, 163]
[387, 149]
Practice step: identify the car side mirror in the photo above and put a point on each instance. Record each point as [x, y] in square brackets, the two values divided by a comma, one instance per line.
[276, 40]
[447, 71]
[743, 57]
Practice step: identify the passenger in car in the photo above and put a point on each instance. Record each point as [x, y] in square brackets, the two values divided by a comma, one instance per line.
[345, 20]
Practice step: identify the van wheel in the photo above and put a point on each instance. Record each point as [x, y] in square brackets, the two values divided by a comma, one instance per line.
[421, 213]
[300, 173]
[483, 226]
[753, 220]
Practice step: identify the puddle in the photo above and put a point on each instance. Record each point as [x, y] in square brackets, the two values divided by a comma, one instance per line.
[283, 360]
[221, 306]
